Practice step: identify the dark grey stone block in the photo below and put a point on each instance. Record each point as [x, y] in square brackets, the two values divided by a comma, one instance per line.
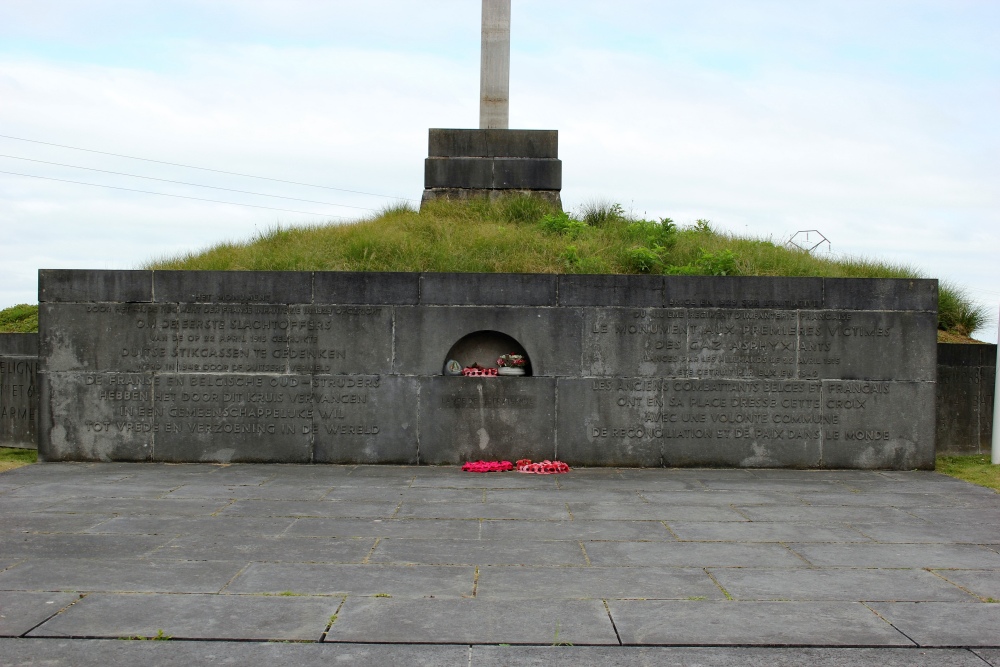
[120, 574]
[583, 583]
[24, 610]
[742, 344]
[458, 172]
[297, 508]
[18, 344]
[748, 623]
[493, 143]
[261, 548]
[18, 393]
[453, 529]
[477, 552]
[728, 656]
[80, 546]
[878, 425]
[965, 385]
[867, 345]
[604, 422]
[360, 287]
[488, 289]
[635, 342]
[193, 617]
[847, 585]
[501, 418]
[474, 621]
[576, 530]
[880, 294]
[109, 337]
[689, 554]
[983, 583]
[892, 556]
[367, 580]
[365, 419]
[104, 652]
[234, 418]
[606, 290]
[243, 287]
[743, 292]
[88, 286]
[527, 174]
[943, 623]
[327, 339]
[550, 336]
[96, 416]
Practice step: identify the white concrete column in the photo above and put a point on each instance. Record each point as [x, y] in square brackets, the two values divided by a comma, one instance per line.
[494, 66]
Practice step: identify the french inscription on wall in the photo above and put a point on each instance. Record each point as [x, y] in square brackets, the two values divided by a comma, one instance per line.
[18, 402]
[751, 373]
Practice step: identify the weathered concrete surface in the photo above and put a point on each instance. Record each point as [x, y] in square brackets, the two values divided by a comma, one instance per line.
[18, 390]
[430, 565]
[623, 370]
[491, 162]
[965, 385]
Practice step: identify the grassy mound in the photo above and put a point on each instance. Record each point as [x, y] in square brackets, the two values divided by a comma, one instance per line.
[524, 235]
[21, 318]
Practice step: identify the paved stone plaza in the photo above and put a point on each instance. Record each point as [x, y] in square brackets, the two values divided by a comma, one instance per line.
[425, 565]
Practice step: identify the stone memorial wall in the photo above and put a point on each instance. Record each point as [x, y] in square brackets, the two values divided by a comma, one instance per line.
[18, 395]
[966, 380]
[351, 368]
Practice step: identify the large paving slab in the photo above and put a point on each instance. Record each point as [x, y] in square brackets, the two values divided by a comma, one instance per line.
[22, 611]
[104, 652]
[236, 556]
[748, 623]
[474, 622]
[237, 617]
[944, 623]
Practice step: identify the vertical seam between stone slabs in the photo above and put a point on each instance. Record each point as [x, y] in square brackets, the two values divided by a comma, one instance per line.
[959, 586]
[53, 615]
[614, 626]
[232, 578]
[333, 619]
[891, 625]
[716, 582]
[586, 558]
[796, 553]
[312, 377]
[416, 421]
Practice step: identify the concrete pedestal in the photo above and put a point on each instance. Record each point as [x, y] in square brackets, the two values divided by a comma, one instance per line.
[463, 164]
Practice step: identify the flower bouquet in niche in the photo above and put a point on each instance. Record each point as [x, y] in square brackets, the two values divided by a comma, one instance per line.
[512, 364]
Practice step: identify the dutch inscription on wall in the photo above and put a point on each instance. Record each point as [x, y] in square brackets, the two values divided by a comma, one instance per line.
[254, 367]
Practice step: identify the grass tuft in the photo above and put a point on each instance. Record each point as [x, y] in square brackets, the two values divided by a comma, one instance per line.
[975, 469]
[11, 458]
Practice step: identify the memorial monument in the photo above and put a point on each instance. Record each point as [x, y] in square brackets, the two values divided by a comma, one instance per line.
[624, 370]
[493, 160]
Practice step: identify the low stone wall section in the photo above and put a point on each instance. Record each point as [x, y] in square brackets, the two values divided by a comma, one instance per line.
[18, 394]
[966, 381]
[624, 370]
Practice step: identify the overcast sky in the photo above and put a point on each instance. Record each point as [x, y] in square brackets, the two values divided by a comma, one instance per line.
[874, 122]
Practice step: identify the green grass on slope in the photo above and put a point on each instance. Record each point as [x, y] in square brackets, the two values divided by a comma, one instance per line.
[19, 319]
[524, 235]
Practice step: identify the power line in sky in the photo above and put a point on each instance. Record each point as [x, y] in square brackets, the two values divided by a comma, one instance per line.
[217, 171]
[164, 194]
[197, 185]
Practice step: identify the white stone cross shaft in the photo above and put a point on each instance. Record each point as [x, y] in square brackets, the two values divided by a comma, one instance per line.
[494, 72]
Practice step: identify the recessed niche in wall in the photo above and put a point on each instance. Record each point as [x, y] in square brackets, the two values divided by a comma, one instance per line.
[484, 348]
